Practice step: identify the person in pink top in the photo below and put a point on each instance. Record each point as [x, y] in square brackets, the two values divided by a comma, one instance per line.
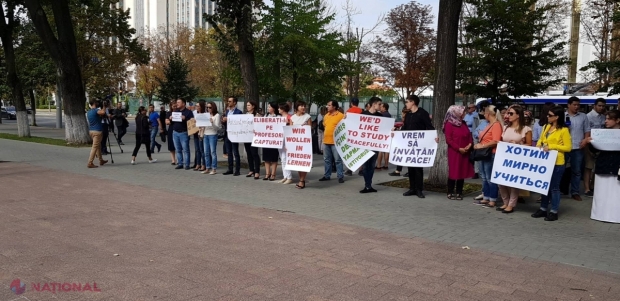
[460, 141]
[516, 132]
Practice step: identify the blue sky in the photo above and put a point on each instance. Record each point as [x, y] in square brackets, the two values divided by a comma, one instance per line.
[371, 9]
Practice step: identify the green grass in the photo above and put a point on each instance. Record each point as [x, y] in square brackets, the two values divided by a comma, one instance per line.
[42, 140]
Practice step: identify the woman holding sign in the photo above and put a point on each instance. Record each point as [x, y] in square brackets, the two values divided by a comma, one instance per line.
[270, 155]
[210, 139]
[517, 132]
[555, 136]
[489, 138]
[605, 206]
[251, 151]
[301, 118]
[283, 109]
[459, 140]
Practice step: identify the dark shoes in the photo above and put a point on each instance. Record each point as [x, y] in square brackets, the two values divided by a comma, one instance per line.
[539, 213]
[179, 167]
[413, 192]
[102, 162]
[589, 194]
[228, 172]
[348, 173]
[576, 197]
[394, 174]
[323, 179]
[158, 148]
[367, 190]
[551, 216]
[341, 180]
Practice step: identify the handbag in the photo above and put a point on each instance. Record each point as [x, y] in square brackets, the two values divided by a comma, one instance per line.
[482, 154]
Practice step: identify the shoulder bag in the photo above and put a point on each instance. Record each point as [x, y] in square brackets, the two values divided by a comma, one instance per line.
[482, 154]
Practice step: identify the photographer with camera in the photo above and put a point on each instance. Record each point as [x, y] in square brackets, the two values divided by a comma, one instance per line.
[106, 123]
[120, 120]
[95, 127]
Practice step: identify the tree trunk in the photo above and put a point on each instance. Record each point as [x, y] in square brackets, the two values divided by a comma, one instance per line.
[33, 105]
[7, 25]
[246, 53]
[445, 80]
[63, 51]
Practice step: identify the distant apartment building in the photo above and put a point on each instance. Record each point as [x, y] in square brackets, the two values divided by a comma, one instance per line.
[148, 15]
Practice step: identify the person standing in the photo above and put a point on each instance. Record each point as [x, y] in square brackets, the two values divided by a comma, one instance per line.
[383, 161]
[330, 121]
[579, 128]
[605, 206]
[251, 151]
[489, 138]
[179, 135]
[369, 166]
[105, 120]
[210, 139]
[460, 141]
[476, 134]
[156, 127]
[283, 109]
[120, 120]
[199, 152]
[301, 118]
[555, 136]
[232, 149]
[162, 123]
[95, 129]
[417, 119]
[596, 118]
[321, 128]
[171, 149]
[472, 119]
[517, 132]
[270, 155]
[143, 136]
[399, 168]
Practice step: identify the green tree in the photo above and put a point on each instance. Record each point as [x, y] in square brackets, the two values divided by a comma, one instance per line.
[514, 58]
[175, 83]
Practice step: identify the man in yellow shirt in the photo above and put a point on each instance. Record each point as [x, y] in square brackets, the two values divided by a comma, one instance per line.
[331, 119]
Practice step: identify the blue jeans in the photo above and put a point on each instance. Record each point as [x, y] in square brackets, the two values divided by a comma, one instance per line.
[232, 149]
[369, 170]
[554, 190]
[198, 151]
[210, 151]
[181, 144]
[489, 190]
[480, 173]
[153, 136]
[575, 157]
[329, 153]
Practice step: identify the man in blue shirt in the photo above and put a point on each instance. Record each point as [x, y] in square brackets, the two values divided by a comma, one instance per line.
[155, 128]
[95, 127]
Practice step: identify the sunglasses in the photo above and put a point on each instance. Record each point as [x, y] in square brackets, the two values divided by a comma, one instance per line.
[511, 113]
[208, 107]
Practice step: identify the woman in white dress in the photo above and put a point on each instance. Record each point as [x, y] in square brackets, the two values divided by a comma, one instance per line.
[301, 118]
[606, 203]
[283, 109]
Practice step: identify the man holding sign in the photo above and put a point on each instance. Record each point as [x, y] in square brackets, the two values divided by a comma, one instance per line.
[369, 166]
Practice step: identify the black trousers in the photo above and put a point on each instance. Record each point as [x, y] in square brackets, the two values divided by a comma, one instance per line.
[142, 139]
[104, 138]
[121, 132]
[459, 186]
[399, 168]
[253, 157]
[416, 178]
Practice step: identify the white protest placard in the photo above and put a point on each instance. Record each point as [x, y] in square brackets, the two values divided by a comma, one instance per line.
[269, 132]
[240, 128]
[524, 167]
[176, 117]
[298, 147]
[203, 119]
[352, 157]
[413, 148]
[605, 139]
[369, 132]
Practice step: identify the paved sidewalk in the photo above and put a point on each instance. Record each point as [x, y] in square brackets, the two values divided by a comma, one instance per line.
[176, 246]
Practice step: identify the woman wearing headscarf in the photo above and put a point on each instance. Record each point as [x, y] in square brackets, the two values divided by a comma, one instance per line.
[459, 140]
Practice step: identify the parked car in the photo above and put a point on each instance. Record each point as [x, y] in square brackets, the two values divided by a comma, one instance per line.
[8, 113]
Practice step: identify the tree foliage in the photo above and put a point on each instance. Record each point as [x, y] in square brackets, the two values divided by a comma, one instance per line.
[513, 56]
[406, 52]
[176, 83]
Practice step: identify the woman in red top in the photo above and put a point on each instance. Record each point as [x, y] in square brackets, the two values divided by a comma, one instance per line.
[459, 140]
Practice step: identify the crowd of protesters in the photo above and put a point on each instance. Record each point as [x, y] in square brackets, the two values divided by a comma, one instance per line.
[466, 130]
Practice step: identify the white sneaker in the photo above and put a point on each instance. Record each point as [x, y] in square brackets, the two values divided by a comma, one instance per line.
[153, 161]
[213, 172]
[133, 162]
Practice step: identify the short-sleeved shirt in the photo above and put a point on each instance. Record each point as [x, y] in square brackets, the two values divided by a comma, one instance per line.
[597, 121]
[493, 132]
[181, 126]
[94, 120]
[330, 122]
[510, 134]
[300, 120]
[579, 126]
[153, 117]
